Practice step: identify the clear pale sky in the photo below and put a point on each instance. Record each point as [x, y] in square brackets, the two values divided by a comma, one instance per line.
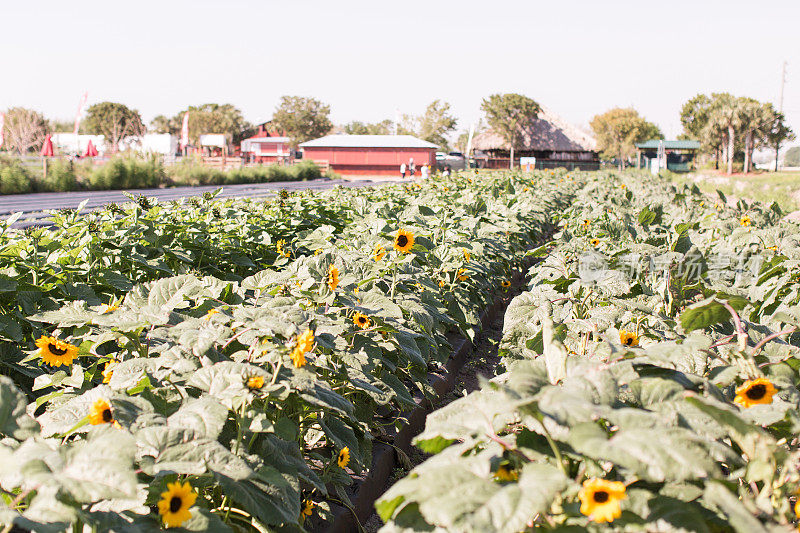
[369, 59]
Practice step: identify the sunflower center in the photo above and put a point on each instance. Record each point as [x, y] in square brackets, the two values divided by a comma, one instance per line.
[361, 320]
[601, 496]
[107, 415]
[402, 240]
[629, 341]
[175, 504]
[756, 392]
[55, 350]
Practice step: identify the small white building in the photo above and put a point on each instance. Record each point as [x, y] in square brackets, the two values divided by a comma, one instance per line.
[69, 143]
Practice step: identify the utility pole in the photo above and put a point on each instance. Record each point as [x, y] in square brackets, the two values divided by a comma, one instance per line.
[780, 110]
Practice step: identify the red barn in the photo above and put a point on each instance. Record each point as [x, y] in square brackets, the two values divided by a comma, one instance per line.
[369, 154]
[266, 146]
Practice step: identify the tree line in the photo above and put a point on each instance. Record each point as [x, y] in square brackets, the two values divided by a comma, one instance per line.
[726, 125]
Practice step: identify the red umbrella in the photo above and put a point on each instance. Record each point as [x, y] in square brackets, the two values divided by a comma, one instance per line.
[47, 147]
[91, 151]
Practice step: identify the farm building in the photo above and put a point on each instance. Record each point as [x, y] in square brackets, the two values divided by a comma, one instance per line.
[676, 156]
[369, 154]
[551, 140]
[266, 146]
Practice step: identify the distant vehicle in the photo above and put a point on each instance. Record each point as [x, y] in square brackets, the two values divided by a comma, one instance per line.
[453, 160]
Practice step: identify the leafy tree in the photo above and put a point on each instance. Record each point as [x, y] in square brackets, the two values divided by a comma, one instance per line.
[792, 157]
[436, 123]
[384, 127]
[777, 133]
[207, 118]
[24, 129]
[508, 114]
[114, 121]
[619, 129]
[164, 124]
[302, 119]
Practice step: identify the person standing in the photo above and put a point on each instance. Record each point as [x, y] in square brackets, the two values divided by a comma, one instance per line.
[402, 171]
[411, 167]
[424, 172]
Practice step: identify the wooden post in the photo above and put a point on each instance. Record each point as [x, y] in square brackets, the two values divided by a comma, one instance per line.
[44, 168]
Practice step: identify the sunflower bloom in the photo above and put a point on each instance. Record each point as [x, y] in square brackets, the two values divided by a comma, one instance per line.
[461, 275]
[255, 382]
[403, 241]
[279, 247]
[600, 499]
[108, 371]
[379, 253]
[308, 508]
[333, 277]
[100, 413]
[106, 308]
[298, 357]
[211, 312]
[361, 320]
[505, 284]
[175, 503]
[754, 392]
[343, 459]
[467, 255]
[586, 223]
[745, 221]
[441, 283]
[504, 473]
[628, 338]
[55, 352]
[595, 242]
[305, 341]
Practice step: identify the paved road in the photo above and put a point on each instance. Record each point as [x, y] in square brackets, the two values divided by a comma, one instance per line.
[37, 205]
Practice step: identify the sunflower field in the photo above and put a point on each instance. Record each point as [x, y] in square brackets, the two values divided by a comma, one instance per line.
[210, 365]
[649, 379]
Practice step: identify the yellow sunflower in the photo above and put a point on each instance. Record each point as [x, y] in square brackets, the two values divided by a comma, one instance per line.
[506, 473]
[100, 413]
[461, 275]
[333, 277]
[797, 508]
[343, 459]
[754, 392]
[298, 357]
[586, 223]
[403, 241]
[745, 221]
[467, 255]
[279, 247]
[56, 352]
[255, 382]
[595, 242]
[305, 341]
[211, 312]
[108, 371]
[175, 503]
[106, 308]
[378, 253]
[308, 508]
[361, 320]
[600, 499]
[628, 338]
[441, 283]
[505, 284]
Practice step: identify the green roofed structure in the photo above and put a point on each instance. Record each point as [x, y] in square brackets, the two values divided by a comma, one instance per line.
[677, 156]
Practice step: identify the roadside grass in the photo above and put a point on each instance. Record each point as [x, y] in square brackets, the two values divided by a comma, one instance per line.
[766, 187]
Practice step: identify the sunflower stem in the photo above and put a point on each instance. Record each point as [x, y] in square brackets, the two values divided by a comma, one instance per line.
[394, 278]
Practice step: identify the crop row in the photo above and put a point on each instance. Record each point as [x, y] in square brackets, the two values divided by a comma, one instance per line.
[222, 365]
[649, 380]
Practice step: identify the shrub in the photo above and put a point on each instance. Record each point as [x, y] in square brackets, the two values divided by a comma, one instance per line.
[128, 173]
[14, 178]
[61, 177]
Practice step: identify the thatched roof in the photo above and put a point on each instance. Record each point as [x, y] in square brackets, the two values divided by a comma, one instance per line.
[547, 132]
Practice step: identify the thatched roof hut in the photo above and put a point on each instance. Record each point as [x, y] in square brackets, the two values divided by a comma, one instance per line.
[548, 138]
